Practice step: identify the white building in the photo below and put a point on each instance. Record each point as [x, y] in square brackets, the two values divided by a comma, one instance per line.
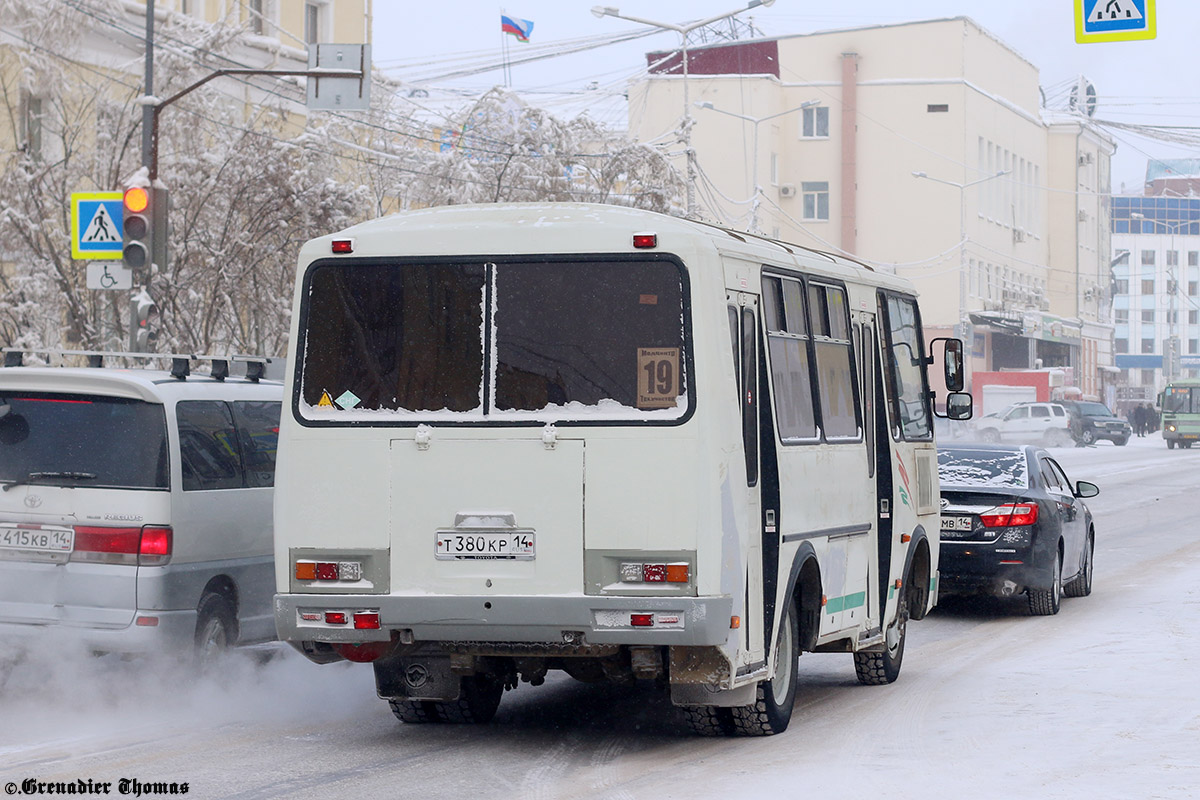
[831, 128]
[1156, 285]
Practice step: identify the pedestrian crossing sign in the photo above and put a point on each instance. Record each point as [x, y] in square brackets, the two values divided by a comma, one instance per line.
[96, 219]
[1114, 20]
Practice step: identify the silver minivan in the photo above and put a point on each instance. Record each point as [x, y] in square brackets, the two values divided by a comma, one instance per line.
[135, 505]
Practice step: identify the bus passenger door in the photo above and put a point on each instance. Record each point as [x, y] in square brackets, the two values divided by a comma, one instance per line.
[743, 329]
[879, 466]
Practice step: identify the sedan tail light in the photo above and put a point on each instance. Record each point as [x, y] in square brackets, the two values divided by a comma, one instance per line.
[1010, 515]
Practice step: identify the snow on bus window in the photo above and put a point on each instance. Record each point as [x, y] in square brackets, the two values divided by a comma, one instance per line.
[560, 340]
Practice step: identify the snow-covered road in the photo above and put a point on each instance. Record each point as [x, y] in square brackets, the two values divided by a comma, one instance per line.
[1099, 701]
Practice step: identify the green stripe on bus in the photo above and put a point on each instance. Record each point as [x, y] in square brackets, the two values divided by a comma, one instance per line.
[835, 605]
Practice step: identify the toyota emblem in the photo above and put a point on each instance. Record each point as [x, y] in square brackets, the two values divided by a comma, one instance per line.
[945, 503]
[33, 500]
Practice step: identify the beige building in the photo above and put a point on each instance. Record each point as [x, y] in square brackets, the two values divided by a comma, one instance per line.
[920, 148]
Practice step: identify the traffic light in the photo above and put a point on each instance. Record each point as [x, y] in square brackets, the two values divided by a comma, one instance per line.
[144, 230]
[145, 315]
[138, 240]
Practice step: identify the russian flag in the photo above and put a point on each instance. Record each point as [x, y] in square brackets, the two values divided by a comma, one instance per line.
[520, 28]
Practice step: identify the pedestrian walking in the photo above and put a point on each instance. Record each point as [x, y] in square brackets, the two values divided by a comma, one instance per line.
[1139, 420]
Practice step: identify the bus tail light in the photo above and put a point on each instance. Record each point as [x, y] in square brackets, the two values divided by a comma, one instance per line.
[366, 620]
[656, 573]
[641, 620]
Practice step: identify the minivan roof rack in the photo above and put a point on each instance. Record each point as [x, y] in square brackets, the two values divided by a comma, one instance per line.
[180, 362]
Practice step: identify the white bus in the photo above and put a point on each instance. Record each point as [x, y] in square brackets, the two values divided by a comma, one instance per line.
[620, 444]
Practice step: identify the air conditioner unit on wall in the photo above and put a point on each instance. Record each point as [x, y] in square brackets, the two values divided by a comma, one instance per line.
[787, 190]
[1085, 159]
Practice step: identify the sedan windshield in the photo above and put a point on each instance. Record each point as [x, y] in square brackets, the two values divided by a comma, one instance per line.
[992, 468]
[82, 440]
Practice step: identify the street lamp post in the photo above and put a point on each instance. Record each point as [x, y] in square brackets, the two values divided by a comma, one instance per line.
[683, 31]
[756, 121]
[1172, 287]
[962, 238]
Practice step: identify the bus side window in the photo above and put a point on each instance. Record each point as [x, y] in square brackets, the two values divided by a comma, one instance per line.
[750, 392]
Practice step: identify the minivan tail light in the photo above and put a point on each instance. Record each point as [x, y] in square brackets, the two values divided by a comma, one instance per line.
[155, 547]
[147, 546]
[1010, 515]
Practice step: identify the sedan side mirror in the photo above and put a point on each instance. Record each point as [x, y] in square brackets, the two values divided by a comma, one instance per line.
[1086, 489]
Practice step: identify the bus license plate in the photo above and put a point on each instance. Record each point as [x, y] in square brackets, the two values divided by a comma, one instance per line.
[511, 545]
[40, 540]
[957, 523]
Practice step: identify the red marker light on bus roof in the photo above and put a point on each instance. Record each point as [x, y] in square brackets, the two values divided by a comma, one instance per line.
[645, 240]
[342, 246]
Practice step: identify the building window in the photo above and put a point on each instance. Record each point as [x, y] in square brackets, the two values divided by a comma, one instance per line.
[1193, 317]
[1121, 286]
[312, 20]
[1121, 315]
[1192, 286]
[815, 123]
[1147, 258]
[816, 199]
[1121, 345]
[1148, 315]
[1193, 346]
[937, 108]
[1193, 258]
[256, 17]
[774, 169]
[1172, 258]
[1147, 377]
[1147, 346]
[1148, 285]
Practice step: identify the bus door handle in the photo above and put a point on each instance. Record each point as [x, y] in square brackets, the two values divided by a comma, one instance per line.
[770, 520]
[885, 508]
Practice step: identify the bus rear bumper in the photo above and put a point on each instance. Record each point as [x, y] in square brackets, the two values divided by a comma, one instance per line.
[575, 619]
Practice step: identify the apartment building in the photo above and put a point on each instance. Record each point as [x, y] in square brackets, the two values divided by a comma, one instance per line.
[1156, 279]
[920, 148]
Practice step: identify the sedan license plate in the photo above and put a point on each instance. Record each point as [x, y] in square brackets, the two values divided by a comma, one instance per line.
[957, 524]
[37, 539]
[470, 545]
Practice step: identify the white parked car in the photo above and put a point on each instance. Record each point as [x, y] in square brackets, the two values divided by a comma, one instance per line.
[1047, 424]
[135, 506]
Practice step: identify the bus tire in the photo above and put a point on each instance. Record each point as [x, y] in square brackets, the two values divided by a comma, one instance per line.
[478, 698]
[1170, 444]
[413, 712]
[774, 699]
[709, 720]
[882, 668]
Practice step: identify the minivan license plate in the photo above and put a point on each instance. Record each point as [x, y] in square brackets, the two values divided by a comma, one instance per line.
[45, 540]
[512, 545]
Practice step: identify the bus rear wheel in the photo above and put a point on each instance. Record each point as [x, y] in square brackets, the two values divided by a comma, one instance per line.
[880, 668]
[772, 709]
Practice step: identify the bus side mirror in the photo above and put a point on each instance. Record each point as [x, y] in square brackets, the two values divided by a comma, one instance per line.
[952, 363]
[959, 405]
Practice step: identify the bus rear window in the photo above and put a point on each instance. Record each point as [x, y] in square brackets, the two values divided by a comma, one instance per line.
[560, 340]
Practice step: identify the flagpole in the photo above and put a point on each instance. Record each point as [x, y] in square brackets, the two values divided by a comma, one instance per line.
[504, 53]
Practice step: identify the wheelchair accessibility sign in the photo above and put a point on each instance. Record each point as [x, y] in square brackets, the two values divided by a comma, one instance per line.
[1114, 20]
[96, 219]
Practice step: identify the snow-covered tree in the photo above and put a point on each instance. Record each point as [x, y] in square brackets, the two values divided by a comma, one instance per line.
[250, 176]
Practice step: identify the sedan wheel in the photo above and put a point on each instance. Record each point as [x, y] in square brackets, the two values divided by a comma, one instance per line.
[989, 435]
[1046, 602]
[1088, 437]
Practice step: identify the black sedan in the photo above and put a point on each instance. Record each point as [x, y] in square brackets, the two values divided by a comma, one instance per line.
[1013, 523]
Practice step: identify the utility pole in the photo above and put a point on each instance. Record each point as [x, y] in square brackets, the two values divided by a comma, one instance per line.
[147, 157]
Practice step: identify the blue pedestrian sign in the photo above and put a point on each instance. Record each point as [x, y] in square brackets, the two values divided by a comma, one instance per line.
[1114, 20]
[96, 219]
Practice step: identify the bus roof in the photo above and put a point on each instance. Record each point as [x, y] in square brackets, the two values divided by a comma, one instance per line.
[513, 228]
